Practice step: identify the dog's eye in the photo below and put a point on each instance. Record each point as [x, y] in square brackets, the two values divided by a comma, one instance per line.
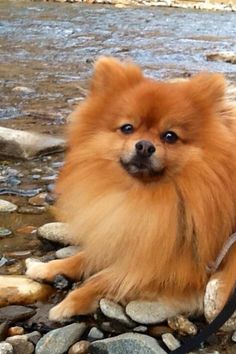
[169, 137]
[127, 128]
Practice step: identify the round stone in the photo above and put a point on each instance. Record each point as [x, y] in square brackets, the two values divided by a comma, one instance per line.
[7, 207]
[4, 232]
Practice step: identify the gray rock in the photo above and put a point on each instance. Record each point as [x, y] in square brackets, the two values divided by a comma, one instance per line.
[4, 326]
[126, 344]
[60, 340]
[54, 231]
[20, 344]
[16, 313]
[67, 251]
[33, 337]
[170, 341]
[140, 329]
[115, 311]
[149, 312]
[7, 207]
[95, 333]
[234, 337]
[6, 348]
[27, 145]
[4, 232]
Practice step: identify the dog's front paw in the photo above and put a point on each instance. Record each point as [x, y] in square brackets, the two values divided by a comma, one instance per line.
[63, 311]
[36, 269]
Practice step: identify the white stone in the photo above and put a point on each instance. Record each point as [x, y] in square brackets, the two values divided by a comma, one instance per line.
[6, 348]
[170, 341]
[55, 231]
[114, 311]
[27, 145]
[7, 207]
[67, 251]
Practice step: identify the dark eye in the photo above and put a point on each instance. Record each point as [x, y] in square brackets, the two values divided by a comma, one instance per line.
[127, 128]
[169, 137]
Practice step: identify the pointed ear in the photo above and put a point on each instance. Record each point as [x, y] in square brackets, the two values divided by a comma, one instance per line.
[208, 89]
[111, 75]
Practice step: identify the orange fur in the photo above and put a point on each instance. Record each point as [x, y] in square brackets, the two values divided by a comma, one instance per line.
[154, 236]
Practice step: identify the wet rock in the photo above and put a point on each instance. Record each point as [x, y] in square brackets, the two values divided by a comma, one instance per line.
[126, 344]
[140, 329]
[211, 305]
[6, 348]
[67, 251]
[95, 334]
[157, 331]
[228, 57]
[7, 207]
[148, 312]
[61, 282]
[60, 340]
[31, 210]
[20, 345]
[55, 231]
[3, 261]
[114, 311]
[22, 290]
[234, 337]
[170, 341]
[15, 313]
[4, 232]
[81, 347]
[38, 200]
[20, 254]
[27, 145]
[182, 325]
[3, 330]
[16, 330]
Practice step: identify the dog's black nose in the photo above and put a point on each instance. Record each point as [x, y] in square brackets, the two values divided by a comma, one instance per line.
[145, 148]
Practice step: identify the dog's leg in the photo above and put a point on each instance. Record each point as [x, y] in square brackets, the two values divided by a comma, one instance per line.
[221, 285]
[72, 267]
[85, 299]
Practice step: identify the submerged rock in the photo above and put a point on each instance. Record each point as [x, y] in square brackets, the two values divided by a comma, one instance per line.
[27, 145]
[149, 312]
[59, 340]
[126, 344]
[55, 231]
[7, 207]
[18, 289]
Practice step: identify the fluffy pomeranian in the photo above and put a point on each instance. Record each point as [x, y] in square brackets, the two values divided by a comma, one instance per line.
[148, 190]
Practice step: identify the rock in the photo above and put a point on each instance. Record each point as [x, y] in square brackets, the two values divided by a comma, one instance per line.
[234, 337]
[15, 313]
[6, 348]
[16, 330]
[149, 312]
[157, 331]
[4, 232]
[18, 289]
[140, 329]
[115, 311]
[60, 340]
[182, 325]
[33, 337]
[95, 333]
[170, 341]
[126, 344]
[55, 231]
[31, 210]
[27, 145]
[38, 200]
[23, 89]
[228, 57]
[7, 207]
[61, 282]
[20, 345]
[67, 251]
[3, 330]
[211, 305]
[81, 347]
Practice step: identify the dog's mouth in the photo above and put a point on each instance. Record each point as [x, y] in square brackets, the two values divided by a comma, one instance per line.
[142, 168]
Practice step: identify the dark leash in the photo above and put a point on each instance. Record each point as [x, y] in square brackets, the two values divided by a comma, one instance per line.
[193, 343]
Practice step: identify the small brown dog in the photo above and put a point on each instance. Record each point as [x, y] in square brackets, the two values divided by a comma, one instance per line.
[149, 191]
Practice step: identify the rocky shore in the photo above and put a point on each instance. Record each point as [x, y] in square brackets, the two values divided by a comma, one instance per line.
[211, 5]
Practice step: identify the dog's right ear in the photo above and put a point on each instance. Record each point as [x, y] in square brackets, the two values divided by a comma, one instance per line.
[112, 75]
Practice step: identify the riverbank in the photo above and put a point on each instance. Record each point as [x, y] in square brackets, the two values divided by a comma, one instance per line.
[209, 5]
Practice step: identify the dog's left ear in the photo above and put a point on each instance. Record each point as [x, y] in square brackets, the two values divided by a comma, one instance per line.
[208, 89]
[112, 75]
